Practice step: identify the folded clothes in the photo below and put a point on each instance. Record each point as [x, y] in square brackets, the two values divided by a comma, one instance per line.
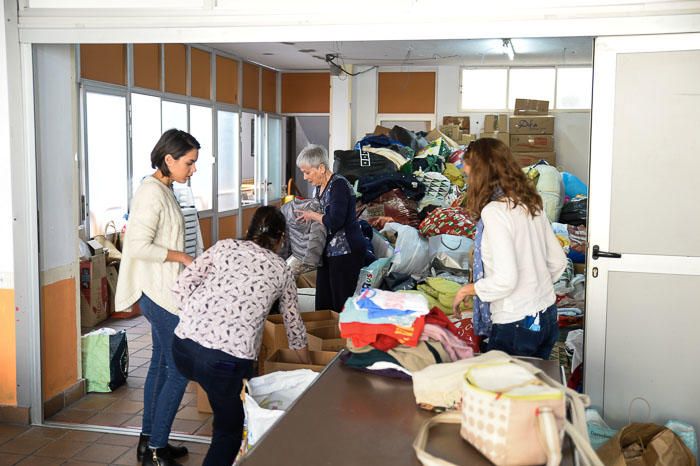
[353, 313]
[381, 303]
[569, 311]
[366, 334]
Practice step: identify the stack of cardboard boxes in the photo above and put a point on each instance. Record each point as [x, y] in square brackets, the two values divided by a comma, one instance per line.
[532, 132]
[496, 126]
[322, 333]
[457, 129]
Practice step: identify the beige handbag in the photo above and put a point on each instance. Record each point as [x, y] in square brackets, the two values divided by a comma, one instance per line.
[514, 414]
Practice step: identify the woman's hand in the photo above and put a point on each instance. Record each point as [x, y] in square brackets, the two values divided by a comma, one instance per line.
[179, 256]
[306, 216]
[462, 295]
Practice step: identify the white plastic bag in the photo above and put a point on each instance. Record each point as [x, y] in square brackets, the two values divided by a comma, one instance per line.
[268, 397]
[410, 252]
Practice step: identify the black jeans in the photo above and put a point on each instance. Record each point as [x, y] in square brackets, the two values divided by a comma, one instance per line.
[220, 375]
[336, 280]
[518, 340]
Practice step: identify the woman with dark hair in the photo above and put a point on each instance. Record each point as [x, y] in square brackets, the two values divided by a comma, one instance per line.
[152, 259]
[345, 249]
[224, 297]
[517, 258]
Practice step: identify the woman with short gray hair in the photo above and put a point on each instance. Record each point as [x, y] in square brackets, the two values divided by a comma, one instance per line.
[345, 247]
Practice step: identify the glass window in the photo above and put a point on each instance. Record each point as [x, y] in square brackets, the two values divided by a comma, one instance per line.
[145, 132]
[174, 116]
[274, 158]
[484, 89]
[227, 160]
[202, 181]
[574, 87]
[249, 139]
[531, 83]
[106, 159]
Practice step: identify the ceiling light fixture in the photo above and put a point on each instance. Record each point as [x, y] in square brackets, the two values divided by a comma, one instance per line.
[508, 49]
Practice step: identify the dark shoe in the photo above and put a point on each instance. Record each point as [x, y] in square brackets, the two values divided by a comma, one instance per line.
[158, 457]
[169, 451]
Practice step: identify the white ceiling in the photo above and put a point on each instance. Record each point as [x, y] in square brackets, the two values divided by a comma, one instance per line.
[473, 52]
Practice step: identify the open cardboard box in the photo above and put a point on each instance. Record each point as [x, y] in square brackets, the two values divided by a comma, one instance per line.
[287, 360]
[328, 338]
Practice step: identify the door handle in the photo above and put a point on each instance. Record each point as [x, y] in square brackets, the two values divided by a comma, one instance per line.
[598, 253]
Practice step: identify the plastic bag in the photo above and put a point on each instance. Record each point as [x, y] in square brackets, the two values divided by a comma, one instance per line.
[105, 358]
[451, 251]
[573, 186]
[395, 205]
[575, 211]
[269, 396]
[410, 252]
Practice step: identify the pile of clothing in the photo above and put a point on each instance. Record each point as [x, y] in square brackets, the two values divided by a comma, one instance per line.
[394, 334]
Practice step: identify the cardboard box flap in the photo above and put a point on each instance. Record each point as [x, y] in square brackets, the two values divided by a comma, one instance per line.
[287, 360]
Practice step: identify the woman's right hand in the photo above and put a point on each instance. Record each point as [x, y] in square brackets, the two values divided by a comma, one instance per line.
[179, 256]
[186, 259]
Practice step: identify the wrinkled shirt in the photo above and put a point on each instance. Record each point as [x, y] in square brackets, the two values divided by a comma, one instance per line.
[225, 295]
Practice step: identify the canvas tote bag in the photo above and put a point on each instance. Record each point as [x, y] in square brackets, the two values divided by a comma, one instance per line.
[514, 414]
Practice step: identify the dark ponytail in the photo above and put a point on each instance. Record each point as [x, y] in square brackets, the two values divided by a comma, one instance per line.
[267, 227]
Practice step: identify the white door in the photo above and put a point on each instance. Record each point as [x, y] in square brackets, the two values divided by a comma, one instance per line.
[643, 308]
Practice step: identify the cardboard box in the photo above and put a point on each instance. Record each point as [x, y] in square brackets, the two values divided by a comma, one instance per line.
[579, 269]
[275, 334]
[451, 131]
[501, 135]
[379, 130]
[95, 247]
[286, 360]
[494, 123]
[532, 143]
[532, 125]
[203, 405]
[530, 158]
[329, 337]
[94, 291]
[466, 138]
[461, 121]
[531, 107]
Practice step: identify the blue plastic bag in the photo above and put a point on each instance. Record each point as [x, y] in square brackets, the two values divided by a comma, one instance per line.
[573, 186]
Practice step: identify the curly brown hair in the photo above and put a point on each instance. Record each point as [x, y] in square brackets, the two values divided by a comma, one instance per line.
[492, 165]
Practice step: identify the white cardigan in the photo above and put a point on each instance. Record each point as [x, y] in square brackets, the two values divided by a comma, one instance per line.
[522, 259]
[155, 225]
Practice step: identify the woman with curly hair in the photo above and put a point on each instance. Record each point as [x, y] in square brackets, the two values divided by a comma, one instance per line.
[517, 258]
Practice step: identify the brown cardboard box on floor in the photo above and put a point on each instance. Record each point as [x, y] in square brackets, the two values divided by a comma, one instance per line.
[286, 360]
[530, 158]
[275, 334]
[531, 143]
[502, 135]
[94, 290]
[531, 107]
[329, 337]
[532, 124]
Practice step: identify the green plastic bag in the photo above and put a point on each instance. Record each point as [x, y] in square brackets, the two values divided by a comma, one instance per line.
[105, 355]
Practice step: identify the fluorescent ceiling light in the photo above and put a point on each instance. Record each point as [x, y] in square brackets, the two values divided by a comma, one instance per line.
[508, 49]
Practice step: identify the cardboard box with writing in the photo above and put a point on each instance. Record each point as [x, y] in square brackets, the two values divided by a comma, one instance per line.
[287, 360]
[461, 121]
[532, 143]
[501, 135]
[531, 107]
[494, 123]
[532, 124]
[530, 158]
[94, 290]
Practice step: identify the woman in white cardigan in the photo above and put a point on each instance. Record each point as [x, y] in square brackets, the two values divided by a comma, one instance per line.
[151, 262]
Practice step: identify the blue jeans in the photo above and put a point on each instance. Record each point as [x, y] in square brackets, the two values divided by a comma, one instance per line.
[518, 340]
[164, 385]
[221, 376]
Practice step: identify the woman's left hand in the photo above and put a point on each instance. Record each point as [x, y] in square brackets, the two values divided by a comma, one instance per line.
[306, 216]
[462, 294]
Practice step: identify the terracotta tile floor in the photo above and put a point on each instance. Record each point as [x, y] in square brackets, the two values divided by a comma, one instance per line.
[123, 407]
[45, 446]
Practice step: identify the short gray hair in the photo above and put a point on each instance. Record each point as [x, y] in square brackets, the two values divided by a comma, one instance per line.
[313, 156]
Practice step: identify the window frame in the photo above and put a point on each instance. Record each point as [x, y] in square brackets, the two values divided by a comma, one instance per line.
[552, 109]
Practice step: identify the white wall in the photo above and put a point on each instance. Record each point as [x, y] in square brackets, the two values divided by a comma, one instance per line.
[571, 130]
[340, 114]
[6, 249]
[56, 147]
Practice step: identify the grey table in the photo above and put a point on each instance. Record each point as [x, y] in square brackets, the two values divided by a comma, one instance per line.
[353, 418]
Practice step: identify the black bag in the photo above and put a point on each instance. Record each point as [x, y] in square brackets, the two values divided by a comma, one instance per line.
[349, 164]
[396, 281]
[574, 212]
